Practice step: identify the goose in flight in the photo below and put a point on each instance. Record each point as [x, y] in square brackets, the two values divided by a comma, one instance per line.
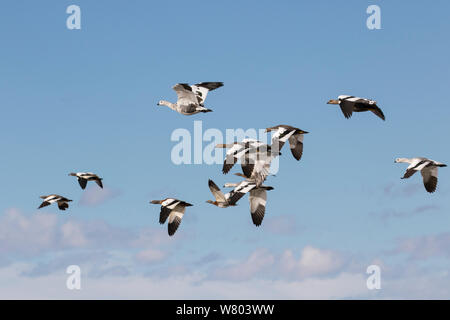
[427, 167]
[54, 198]
[256, 166]
[257, 197]
[174, 210]
[225, 200]
[283, 133]
[350, 104]
[255, 158]
[84, 177]
[191, 98]
[238, 150]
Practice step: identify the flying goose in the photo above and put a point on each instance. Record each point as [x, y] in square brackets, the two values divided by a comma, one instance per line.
[226, 200]
[256, 165]
[48, 200]
[238, 150]
[174, 210]
[284, 133]
[350, 104]
[255, 158]
[257, 198]
[191, 98]
[427, 167]
[84, 177]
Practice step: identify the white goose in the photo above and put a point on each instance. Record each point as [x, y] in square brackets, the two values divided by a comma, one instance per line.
[427, 167]
[191, 98]
[84, 177]
[237, 150]
[174, 210]
[231, 198]
[284, 133]
[350, 104]
[54, 198]
[257, 197]
[255, 157]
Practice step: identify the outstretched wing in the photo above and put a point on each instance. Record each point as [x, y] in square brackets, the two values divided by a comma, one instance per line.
[232, 156]
[185, 94]
[44, 204]
[82, 182]
[296, 144]
[166, 208]
[258, 198]
[409, 173]
[430, 178]
[280, 137]
[164, 214]
[63, 205]
[416, 165]
[377, 111]
[175, 219]
[215, 190]
[99, 182]
[347, 108]
[239, 191]
[201, 90]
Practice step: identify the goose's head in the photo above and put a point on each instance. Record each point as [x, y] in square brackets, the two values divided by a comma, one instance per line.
[400, 160]
[333, 101]
[164, 103]
[229, 185]
[212, 202]
[72, 174]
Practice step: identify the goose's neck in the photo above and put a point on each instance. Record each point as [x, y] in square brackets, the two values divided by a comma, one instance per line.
[171, 105]
[404, 160]
[230, 185]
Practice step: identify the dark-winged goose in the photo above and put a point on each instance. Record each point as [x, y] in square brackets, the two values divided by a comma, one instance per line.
[54, 198]
[257, 197]
[283, 133]
[427, 167]
[191, 98]
[174, 210]
[84, 177]
[350, 104]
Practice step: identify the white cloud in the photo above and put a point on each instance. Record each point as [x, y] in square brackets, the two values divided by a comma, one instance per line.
[94, 196]
[194, 286]
[312, 262]
[281, 225]
[150, 256]
[258, 261]
[425, 247]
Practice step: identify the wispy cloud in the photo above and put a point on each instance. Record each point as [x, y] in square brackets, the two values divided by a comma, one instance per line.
[34, 235]
[282, 225]
[150, 256]
[389, 214]
[310, 263]
[424, 247]
[94, 196]
[399, 190]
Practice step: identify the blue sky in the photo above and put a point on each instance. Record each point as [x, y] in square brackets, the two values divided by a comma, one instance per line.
[85, 100]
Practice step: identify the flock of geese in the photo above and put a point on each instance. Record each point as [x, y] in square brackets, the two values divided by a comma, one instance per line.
[255, 158]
